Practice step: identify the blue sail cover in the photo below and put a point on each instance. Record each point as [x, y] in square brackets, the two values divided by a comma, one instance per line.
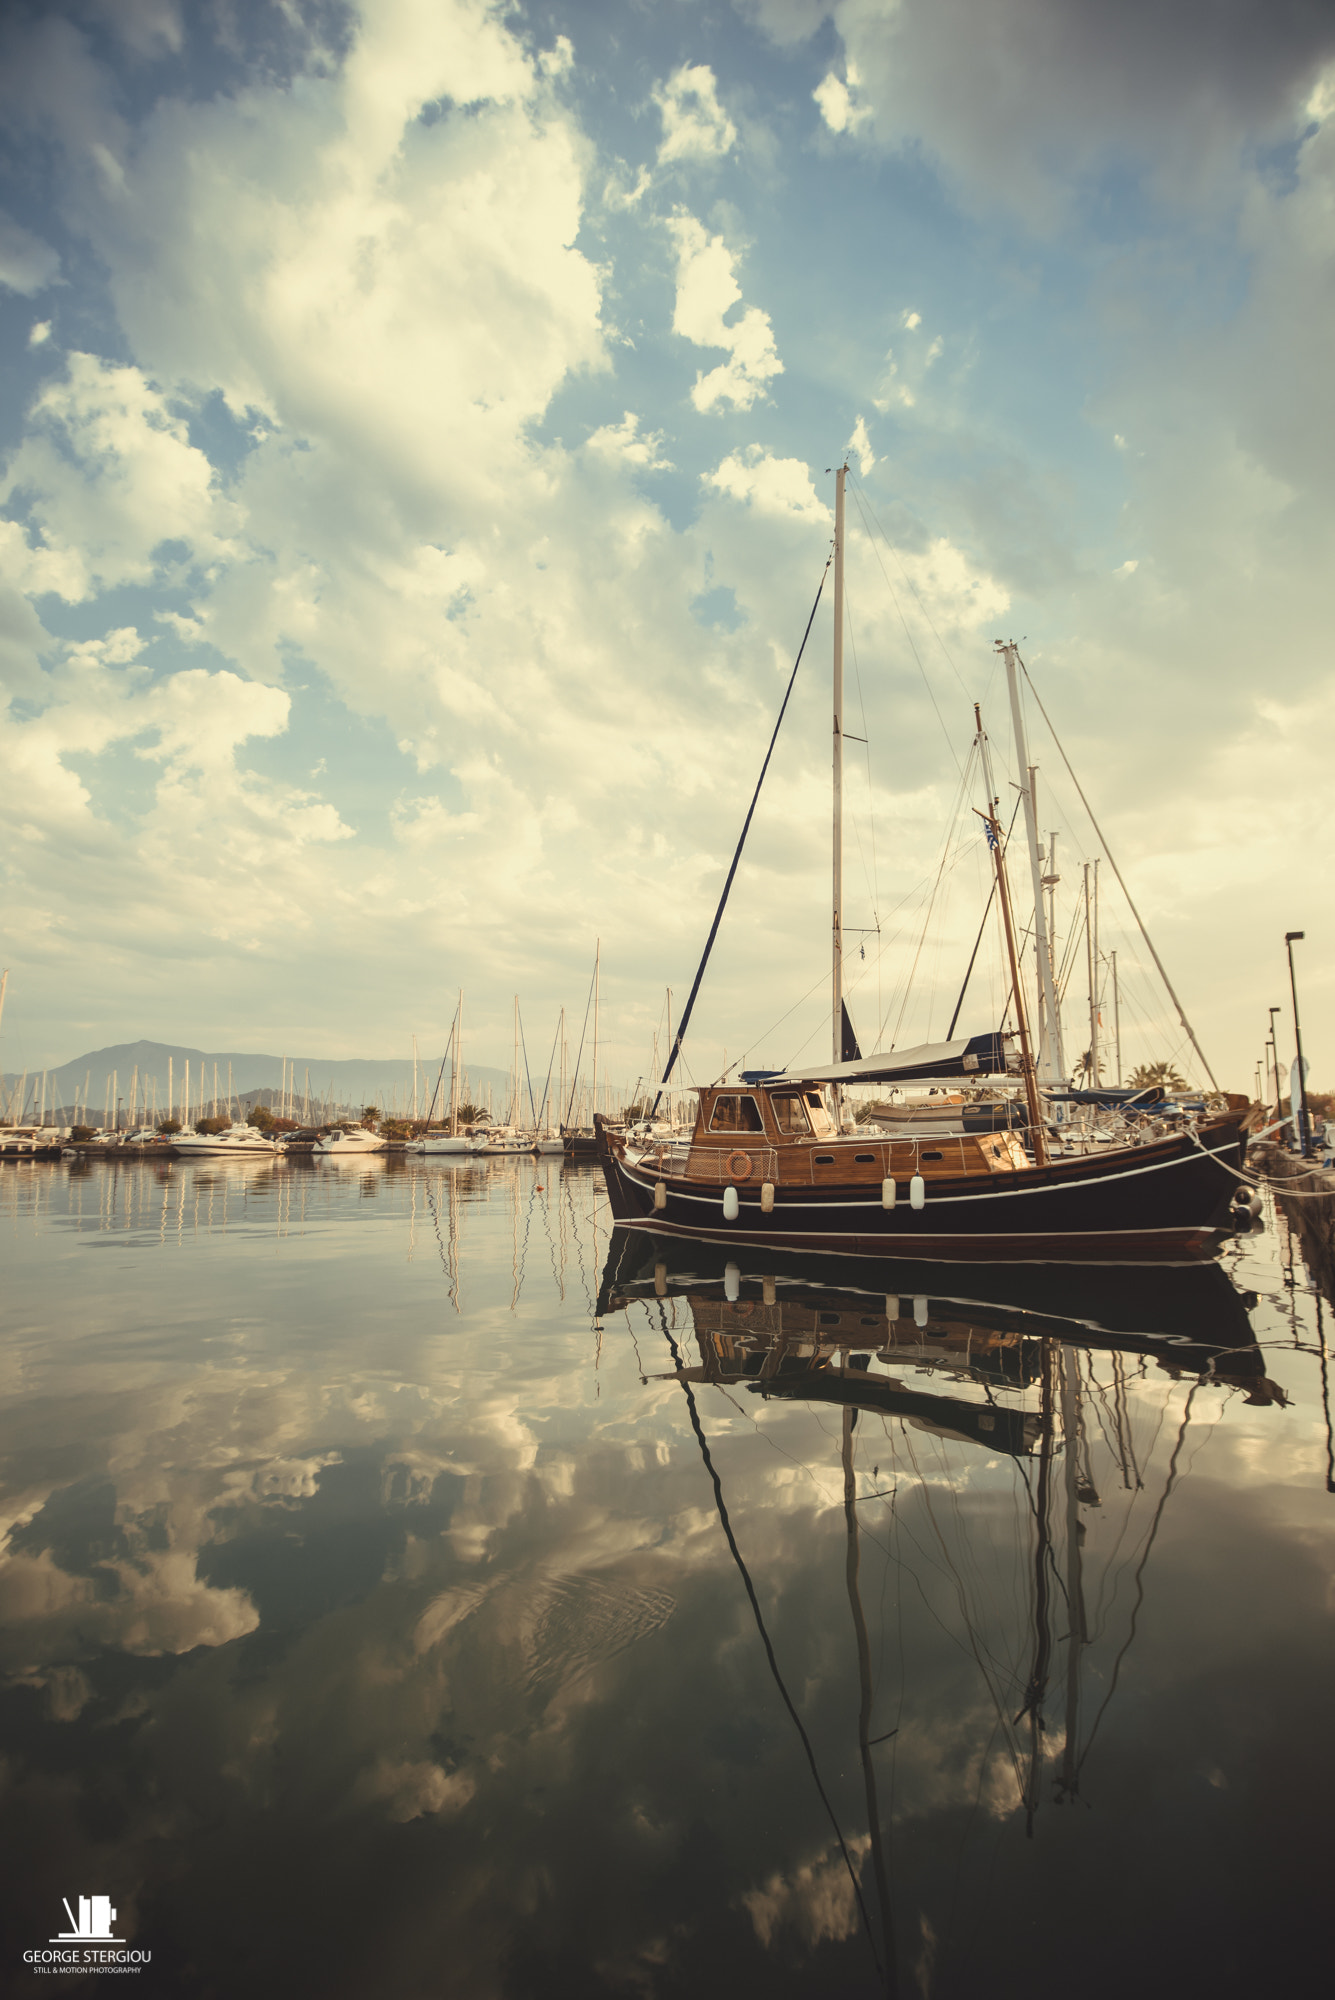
[930, 1062]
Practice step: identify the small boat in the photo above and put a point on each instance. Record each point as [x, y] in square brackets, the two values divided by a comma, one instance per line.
[240, 1142]
[347, 1142]
[30, 1142]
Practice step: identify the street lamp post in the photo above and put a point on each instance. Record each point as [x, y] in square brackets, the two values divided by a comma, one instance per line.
[1299, 1109]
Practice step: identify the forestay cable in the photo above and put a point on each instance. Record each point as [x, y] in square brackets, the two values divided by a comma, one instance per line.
[746, 828]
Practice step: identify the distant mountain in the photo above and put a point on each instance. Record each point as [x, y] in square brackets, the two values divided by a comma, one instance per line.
[351, 1083]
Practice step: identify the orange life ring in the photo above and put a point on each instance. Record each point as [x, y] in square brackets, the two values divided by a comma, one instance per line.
[739, 1166]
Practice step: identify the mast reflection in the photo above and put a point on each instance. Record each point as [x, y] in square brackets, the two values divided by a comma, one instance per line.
[1007, 1353]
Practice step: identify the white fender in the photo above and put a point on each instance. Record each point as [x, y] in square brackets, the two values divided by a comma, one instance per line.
[892, 1306]
[767, 1197]
[917, 1191]
[920, 1311]
[730, 1204]
[660, 1195]
[887, 1194]
[767, 1290]
[732, 1283]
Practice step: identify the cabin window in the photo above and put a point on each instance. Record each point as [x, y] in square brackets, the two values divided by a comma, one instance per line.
[934, 1156]
[821, 1121]
[736, 1114]
[864, 1159]
[825, 1159]
[790, 1114]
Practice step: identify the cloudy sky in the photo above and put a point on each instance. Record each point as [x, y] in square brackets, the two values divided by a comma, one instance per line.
[416, 421]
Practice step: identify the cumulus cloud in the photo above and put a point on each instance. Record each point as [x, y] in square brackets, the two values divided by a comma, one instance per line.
[707, 290]
[105, 476]
[840, 101]
[627, 444]
[775, 486]
[695, 125]
[860, 446]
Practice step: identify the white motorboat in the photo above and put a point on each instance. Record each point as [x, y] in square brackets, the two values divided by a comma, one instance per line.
[346, 1142]
[238, 1142]
[444, 1142]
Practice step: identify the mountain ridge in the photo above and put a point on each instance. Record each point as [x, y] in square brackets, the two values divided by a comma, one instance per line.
[386, 1081]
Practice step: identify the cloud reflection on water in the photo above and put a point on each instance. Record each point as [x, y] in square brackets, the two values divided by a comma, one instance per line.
[321, 1595]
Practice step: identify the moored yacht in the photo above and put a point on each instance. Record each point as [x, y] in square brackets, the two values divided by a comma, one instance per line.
[346, 1142]
[239, 1142]
[776, 1159]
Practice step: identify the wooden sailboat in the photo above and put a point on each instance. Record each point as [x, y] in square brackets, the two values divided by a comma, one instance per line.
[770, 1161]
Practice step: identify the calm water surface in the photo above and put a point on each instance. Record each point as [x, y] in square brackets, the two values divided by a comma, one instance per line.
[410, 1589]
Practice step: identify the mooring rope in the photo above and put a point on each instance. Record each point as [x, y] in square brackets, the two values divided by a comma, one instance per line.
[1252, 1180]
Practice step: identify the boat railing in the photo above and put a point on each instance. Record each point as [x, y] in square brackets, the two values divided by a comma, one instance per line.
[712, 1163]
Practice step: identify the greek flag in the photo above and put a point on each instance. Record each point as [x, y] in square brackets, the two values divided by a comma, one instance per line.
[991, 833]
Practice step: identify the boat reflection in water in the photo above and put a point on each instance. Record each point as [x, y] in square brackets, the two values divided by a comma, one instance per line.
[1011, 1373]
[650, 1622]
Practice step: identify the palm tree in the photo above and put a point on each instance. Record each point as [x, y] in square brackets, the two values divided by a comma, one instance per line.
[1161, 1073]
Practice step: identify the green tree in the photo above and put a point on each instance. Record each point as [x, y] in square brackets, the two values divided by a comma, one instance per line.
[370, 1114]
[166, 1126]
[1161, 1073]
[261, 1117]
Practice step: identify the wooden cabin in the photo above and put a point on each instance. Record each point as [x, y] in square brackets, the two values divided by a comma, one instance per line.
[784, 1134]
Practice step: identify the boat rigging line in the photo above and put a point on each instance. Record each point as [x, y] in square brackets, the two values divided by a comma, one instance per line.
[1181, 1014]
[574, 1082]
[722, 1508]
[444, 1059]
[746, 828]
[987, 911]
[917, 657]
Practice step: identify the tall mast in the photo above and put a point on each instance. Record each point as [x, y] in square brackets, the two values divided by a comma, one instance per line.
[1093, 1075]
[454, 1067]
[836, 932]
[1094, 991]
[1117, 1021]
[1036, 1132]
[1049, 1030]
[597, 965]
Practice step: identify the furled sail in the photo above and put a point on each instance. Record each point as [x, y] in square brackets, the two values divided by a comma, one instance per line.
[979, 1056]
